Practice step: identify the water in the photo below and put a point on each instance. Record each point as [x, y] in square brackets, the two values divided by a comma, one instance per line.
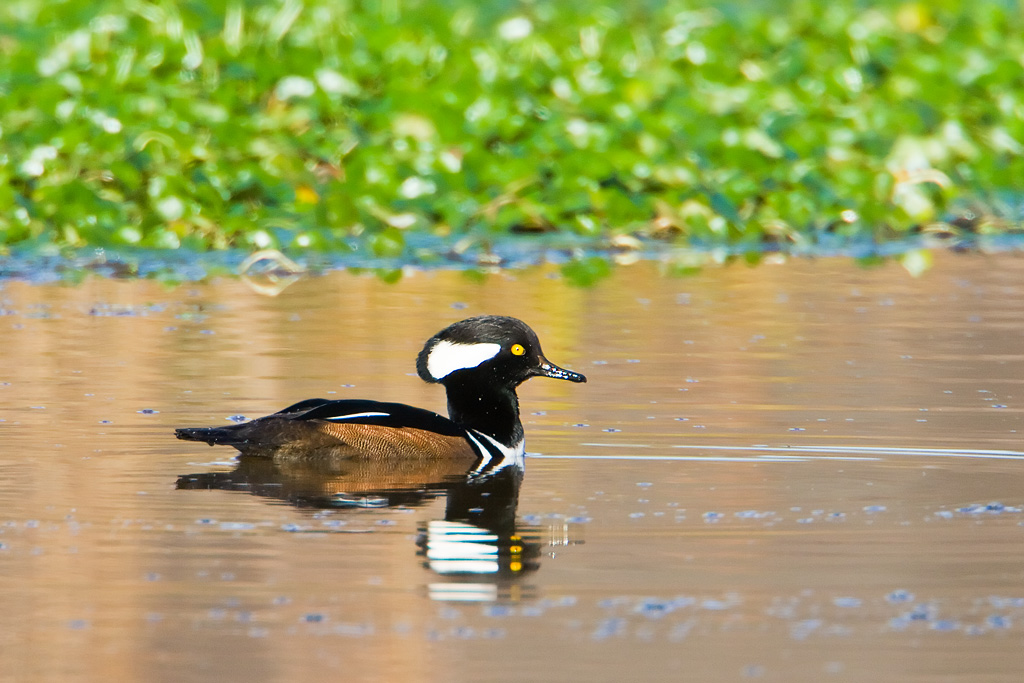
[798, 472]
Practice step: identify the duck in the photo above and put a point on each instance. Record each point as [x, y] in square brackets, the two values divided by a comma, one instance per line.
[480, 362]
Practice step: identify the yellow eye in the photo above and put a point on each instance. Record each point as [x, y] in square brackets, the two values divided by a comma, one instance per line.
[517, 350]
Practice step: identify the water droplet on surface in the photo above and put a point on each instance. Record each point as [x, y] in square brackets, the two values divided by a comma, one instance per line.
[847, 602]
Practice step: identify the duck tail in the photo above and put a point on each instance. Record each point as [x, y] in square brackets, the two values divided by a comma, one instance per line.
[211, 435]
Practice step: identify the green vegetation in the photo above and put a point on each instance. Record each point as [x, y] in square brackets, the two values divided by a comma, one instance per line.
[339, 124]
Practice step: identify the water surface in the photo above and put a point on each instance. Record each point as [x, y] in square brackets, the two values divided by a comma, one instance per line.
[798, 472]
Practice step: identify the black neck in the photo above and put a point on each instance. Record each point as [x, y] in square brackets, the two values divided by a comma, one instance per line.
[489, 409]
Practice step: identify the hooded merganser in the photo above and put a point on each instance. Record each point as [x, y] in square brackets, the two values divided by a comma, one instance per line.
[480, 361]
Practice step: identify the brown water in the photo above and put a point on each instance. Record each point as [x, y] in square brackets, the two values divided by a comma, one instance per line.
[799, 472]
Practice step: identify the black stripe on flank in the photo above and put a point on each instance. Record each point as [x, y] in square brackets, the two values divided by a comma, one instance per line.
[495, 457]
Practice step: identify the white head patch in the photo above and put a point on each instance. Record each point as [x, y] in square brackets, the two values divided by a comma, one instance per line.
[446, 357]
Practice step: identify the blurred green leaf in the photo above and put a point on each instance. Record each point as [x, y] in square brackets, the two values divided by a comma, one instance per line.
[586, 272]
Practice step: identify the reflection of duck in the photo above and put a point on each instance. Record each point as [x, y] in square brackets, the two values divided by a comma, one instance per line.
[319, 483]
[480, 361]
[478, 535]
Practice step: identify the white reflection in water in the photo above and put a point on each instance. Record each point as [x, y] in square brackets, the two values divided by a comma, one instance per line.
[817, 451]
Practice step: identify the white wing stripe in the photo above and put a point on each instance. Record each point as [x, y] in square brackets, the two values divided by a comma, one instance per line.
[355, 415]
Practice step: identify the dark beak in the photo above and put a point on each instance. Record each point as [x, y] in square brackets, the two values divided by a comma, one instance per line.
[549, 369]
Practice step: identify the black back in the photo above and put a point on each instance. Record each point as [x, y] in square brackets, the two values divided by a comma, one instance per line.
[395, 415]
